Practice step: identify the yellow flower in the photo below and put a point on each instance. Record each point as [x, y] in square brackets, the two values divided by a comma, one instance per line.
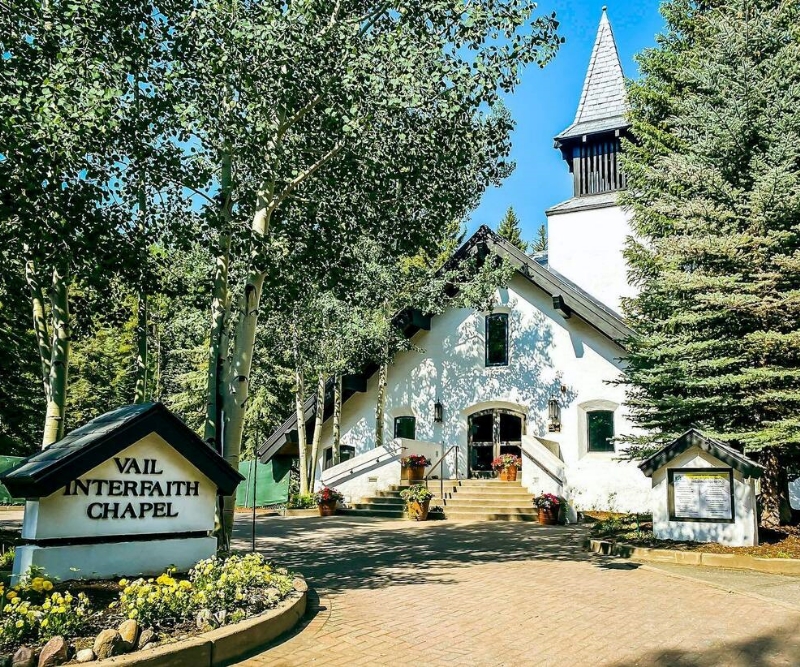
[11, 595]
[47, 585]
[45, 623]
[19, 624]
[123, 582]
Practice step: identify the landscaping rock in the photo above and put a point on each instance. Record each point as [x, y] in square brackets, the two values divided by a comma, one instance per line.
[205, 620]
[107, 643]
[147, 636]
[24, 657]
[129, 631]
[54, 652]
[84, 655]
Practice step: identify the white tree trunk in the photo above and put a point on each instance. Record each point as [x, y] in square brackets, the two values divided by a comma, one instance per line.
[220, 302]
[337, 418]
[318, 421]
[236, 388]
[140, 395]
[380, 406]
[39, 323]
[59, 360]
[220, 305]
[299, 392]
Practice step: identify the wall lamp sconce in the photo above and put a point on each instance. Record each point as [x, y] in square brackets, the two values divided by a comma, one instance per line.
[438, 412]
[554, 414]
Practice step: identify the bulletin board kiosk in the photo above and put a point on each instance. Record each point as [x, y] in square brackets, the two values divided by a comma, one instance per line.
[704, 490]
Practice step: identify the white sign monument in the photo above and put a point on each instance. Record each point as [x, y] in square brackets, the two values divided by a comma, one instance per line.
[131, 492]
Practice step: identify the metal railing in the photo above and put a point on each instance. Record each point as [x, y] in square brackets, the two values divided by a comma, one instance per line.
[440, 463]
[386, 457]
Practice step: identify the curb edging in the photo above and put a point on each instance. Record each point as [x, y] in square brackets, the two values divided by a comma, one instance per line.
[223, 645]
[731, 561]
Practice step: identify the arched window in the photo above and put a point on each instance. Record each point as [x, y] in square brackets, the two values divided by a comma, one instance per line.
[405, 427]
[497, 339]
[600, 430]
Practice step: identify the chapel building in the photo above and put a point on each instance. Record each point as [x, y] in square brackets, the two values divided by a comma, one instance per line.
[535, 375]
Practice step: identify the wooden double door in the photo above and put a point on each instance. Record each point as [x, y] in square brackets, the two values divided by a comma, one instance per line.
[492, 433]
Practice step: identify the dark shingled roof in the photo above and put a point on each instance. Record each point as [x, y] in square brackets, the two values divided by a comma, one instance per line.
[590, 310]
[694, 438]
[105, 436]
[603, 102]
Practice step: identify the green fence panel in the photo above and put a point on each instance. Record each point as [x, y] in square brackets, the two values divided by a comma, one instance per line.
[7, 462]
[269, 480]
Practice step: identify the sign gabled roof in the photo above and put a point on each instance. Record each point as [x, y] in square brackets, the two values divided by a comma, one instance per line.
[105, 436]
[603, 102]
[694, 438]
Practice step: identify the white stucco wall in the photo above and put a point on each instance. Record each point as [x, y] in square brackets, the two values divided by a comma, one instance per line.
[546, 353]
[742, 532]
[586, 247]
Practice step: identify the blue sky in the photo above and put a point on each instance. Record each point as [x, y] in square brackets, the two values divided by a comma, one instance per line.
[546, 101]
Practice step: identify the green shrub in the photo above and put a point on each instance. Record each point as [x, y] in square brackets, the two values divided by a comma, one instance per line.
[7, 559]
[302, 501]
[160, 600]
[246, 584]
[31, 613]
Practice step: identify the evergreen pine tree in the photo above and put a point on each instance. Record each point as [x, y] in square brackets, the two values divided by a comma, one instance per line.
[540, 244]
[510, 230]
[714, 185]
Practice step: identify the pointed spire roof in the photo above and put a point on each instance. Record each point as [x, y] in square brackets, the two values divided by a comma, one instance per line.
[603, 101]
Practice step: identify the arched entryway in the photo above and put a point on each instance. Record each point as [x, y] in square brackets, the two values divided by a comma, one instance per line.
[493, 432]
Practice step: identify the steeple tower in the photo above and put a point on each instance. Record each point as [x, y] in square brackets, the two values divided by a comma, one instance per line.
[591, 144]
[587, 233]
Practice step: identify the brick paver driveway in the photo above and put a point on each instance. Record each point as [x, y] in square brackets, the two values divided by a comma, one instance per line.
[440, 593]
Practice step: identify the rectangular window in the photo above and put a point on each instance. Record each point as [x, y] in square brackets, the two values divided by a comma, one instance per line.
[405, 427]
[600, 426]
[497, 339]
[346, 452]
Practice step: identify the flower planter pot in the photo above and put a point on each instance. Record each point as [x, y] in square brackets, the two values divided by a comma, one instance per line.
[412, 474]
[419, 511]
[327, 509]
[508, 474]
[548, 517]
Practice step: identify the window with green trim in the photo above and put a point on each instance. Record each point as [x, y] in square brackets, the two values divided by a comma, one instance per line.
[600, 430]
[405, 427]
[497, 339]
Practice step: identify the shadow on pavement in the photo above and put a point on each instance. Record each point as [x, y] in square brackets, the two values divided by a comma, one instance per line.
[780, 647]
[338, 553]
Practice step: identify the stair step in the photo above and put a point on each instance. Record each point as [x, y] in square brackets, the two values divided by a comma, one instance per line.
[489, 516]
[464, 482]
[482, 502]
[386, 514]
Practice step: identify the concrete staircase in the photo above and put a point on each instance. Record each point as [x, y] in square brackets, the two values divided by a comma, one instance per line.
[463, 500]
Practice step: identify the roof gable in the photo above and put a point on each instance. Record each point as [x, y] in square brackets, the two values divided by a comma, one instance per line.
[84, 448]
[694, 438]
[567, 297]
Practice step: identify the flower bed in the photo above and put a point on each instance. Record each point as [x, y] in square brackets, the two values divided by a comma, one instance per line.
[637, 530]
[103, 618]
